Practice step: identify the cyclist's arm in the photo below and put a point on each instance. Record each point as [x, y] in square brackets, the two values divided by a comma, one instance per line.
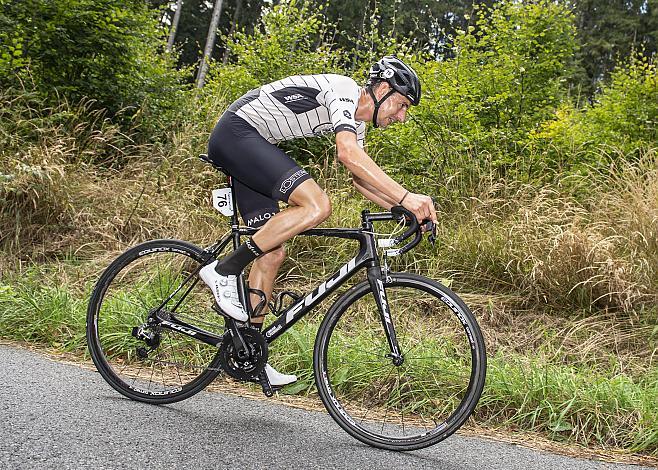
[357, 161]
[372, 194]
[381, 185]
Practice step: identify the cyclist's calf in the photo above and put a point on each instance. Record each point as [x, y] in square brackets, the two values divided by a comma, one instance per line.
[274, 257]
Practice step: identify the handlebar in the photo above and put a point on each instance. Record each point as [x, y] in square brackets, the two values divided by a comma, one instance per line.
[399, 213]
[402, 214]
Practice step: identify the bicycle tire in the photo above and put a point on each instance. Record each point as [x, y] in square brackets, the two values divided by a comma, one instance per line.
[343, 380]
[115, 307]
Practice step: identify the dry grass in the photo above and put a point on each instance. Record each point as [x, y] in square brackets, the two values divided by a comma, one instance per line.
[568, 280]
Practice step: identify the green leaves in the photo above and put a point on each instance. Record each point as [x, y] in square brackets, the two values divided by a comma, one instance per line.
[287, 43]
[106, 50]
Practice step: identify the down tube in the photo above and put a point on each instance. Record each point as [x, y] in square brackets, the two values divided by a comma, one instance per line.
[300, 308]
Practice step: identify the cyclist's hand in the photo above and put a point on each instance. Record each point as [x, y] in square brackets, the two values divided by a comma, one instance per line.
[422, 206]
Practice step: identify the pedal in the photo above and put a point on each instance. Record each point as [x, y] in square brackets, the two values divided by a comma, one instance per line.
[265, 383]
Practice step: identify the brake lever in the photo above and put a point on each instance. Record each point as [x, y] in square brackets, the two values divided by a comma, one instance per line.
[431, 227]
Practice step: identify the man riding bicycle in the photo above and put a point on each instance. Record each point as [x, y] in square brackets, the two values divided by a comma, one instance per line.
[243, 143]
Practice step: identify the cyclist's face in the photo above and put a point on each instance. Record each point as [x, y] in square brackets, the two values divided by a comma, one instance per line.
[394, 109]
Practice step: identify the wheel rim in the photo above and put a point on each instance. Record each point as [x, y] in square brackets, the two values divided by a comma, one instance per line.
[434, 389]
[174, 362]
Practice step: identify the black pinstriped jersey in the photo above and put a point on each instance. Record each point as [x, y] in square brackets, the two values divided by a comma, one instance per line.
[302, 106]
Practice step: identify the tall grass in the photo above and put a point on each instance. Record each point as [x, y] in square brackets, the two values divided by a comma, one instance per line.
[564, 283]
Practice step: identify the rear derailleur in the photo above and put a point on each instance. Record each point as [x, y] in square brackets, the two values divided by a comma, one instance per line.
[149, 333]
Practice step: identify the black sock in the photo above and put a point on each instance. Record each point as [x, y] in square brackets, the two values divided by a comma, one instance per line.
[239, 259]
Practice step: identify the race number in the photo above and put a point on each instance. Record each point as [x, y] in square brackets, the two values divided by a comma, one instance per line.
[222, 201]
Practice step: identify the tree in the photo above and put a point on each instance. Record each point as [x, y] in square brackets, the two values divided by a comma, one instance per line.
[609, 30]
[108, 50]
[210, 44]
[174, 25]
[428, 25]
[195, 21]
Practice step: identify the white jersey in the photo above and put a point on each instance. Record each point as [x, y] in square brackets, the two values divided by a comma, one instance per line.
[302, 106]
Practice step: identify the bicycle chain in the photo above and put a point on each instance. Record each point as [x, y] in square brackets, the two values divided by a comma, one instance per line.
[255, 341]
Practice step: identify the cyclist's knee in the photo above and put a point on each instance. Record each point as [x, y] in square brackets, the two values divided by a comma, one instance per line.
[320, 209]
[316, 202]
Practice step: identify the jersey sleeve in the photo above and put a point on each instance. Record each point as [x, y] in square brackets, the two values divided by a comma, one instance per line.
[341, 100]
[361, 134]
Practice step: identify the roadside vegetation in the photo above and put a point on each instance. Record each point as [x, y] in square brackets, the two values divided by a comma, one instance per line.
[548, 200]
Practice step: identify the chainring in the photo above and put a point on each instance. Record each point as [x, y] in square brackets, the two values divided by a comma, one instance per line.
[251, 367]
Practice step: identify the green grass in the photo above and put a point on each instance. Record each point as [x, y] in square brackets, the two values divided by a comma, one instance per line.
[584, 403]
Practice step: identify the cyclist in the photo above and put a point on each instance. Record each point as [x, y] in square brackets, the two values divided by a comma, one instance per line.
[243, 142]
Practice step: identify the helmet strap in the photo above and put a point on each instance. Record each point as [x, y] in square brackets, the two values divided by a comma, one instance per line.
[378, 103]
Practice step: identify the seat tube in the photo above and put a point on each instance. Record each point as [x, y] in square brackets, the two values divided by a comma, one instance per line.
[375, 278]
[243, 294]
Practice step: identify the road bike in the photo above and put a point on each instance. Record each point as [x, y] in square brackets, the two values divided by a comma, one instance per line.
[399, 360]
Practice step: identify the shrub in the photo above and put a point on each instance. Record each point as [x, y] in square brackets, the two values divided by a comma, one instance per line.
[106, 50]
[506, 77]
[621, 123]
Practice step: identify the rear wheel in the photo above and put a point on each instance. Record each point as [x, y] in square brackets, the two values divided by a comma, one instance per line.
[143, 360]
[430, 394]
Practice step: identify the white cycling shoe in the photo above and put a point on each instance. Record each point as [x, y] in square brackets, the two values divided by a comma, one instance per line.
[225, 290]
[277, 379]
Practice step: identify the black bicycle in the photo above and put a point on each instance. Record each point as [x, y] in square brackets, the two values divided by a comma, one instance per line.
[399, 360]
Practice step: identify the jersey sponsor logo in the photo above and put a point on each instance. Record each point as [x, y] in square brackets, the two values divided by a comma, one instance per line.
[295, 97]
[290, 180]
[347, 114]
[347, 100]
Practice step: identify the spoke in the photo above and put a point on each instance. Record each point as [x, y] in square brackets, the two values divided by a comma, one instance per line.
[171, 346]
[160, 279]
[386, 412]
[157, 354]
[406, 357]
[141, 305]
[151, 378]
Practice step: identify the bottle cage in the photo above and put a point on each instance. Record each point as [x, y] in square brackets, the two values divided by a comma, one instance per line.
[276, 306]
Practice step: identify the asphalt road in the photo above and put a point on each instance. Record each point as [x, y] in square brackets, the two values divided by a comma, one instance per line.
[57, 415]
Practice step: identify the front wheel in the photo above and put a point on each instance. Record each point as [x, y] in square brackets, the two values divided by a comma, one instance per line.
[429, 395]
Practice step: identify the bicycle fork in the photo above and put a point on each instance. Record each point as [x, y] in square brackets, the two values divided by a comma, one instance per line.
[375, 278]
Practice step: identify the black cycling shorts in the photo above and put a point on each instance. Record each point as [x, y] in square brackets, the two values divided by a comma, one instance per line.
[263, 173]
